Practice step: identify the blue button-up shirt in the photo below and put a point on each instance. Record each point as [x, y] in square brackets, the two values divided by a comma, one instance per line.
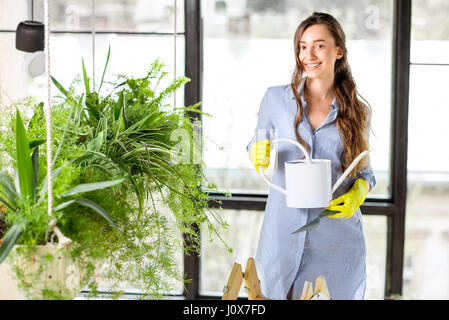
[336, 248]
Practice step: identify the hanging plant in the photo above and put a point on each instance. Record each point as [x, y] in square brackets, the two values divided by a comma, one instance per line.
[24, 209]
[130, 134]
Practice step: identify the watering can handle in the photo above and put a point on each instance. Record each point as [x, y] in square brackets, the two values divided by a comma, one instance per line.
[262, 173]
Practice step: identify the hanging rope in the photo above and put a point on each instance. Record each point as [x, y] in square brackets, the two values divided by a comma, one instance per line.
[47, 109]
[93, 45]
[174, 64]
[62, 240]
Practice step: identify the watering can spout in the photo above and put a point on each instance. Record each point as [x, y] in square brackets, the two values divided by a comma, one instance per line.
[349, 169]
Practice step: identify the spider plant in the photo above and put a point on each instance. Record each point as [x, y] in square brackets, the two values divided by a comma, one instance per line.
[129, 129]
[24, 199]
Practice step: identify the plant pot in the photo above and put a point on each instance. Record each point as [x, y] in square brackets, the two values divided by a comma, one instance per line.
[59, 273]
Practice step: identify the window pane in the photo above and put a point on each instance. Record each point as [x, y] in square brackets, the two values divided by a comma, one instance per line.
[243, 234]
[428, 114]
[130, 54]
[426, 238]
[375, 228]
[15, 83]
[430, 31]
[426, 257]
[12, 12]
[216, 263]
[427, 223]
[248, 47]
[124, 15]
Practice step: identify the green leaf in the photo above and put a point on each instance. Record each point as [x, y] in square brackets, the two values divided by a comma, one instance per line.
[44, 184]
[94, 206]
[96, 143]
[86, 79]
[147, 121]
[60, 87]
[5, 202]
[93, 110]
[90, 204]
[24, 164]
[38, 112]
[63, 205]
[36, 143]
[10, 240]
[63, 136]
[8, 187]
[105, 67]
[35, 160]
[118, 106]
[86, 187]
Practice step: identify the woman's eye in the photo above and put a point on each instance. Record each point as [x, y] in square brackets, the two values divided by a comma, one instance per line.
[320, 46]
[302, 47]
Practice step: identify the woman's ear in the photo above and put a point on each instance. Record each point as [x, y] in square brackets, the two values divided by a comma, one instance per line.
[339, 53]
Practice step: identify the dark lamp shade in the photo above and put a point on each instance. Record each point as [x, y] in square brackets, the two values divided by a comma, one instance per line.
[30, 36]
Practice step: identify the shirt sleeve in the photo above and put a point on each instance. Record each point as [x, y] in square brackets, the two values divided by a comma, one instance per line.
[367, 171]
[264, 126]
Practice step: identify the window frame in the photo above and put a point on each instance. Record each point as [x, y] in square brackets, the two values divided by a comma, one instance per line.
[393, 208]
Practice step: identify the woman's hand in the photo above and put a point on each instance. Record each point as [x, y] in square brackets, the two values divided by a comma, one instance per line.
[348, 203]
[260, 154]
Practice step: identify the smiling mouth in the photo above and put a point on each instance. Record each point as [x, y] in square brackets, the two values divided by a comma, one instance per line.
[313, 65]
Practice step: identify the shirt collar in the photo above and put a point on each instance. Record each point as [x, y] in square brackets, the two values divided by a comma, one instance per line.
[334, 104]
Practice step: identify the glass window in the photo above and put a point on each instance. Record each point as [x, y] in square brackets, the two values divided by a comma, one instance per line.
[12, 12]
[375, 228]
[123, 15]
[243, 235]
[426, 258]
[68, 49]
[430, 32]
[426, 255]
[248, 46]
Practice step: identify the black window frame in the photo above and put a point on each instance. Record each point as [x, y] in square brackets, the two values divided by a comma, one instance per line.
[393, 209]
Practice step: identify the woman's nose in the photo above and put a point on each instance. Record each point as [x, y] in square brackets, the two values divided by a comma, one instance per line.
[310, 52]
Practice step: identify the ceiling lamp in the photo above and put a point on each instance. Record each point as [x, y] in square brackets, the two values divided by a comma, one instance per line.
[30, 39]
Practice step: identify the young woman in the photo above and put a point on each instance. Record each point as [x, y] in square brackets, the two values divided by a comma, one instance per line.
[321, 109]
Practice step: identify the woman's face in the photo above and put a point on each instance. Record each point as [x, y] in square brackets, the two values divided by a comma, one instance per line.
[318, 52]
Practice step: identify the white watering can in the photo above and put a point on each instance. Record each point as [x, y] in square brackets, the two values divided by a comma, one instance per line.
[309, 182]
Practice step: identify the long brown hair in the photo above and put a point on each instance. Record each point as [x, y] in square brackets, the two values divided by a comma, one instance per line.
[353, 114]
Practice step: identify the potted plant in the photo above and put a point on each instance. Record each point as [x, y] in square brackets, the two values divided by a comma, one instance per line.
[24, 220]
[129, 133]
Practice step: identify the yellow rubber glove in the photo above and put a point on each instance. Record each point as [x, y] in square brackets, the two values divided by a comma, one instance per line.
[348, 203]
[260, 154]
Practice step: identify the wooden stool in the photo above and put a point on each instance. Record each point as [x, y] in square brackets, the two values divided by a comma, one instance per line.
[321, 292]
[252, 285]
[252, 282]
[232, 288]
